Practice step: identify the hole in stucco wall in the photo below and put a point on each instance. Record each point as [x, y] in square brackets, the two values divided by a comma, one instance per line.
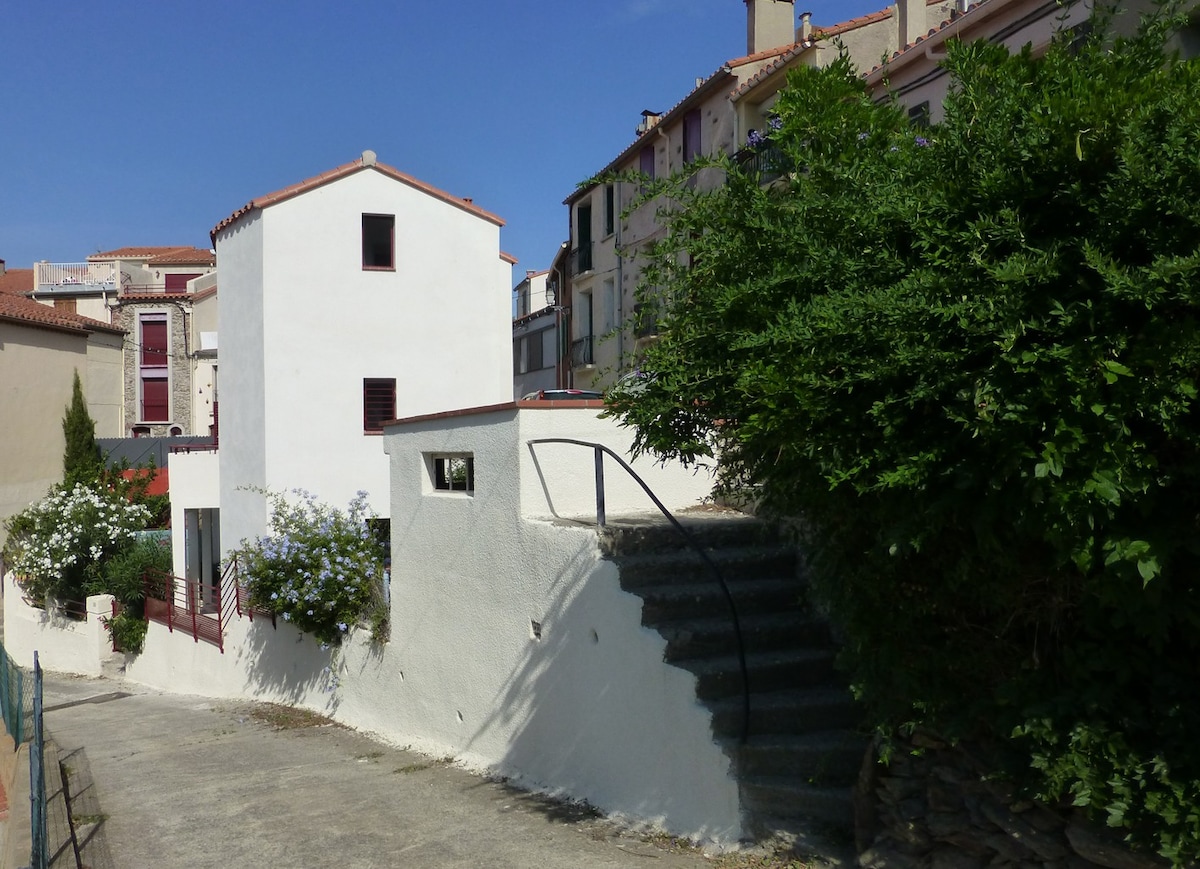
[460, 718]
[401, 672]
[535, 628]
[595, 636]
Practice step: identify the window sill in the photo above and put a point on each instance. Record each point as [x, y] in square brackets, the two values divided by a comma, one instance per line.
[379, 268]
[373, 433]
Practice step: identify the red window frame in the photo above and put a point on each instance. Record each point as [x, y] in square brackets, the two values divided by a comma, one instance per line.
[379, 403]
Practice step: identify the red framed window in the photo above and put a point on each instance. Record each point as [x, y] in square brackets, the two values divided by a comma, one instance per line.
[178, 283]
[155, 399]
[154, 341]
[379, 402]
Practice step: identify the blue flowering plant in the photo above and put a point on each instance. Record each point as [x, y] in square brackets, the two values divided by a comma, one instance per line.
[320, 568]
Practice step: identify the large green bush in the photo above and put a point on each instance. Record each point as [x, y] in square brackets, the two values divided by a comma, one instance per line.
[967, 356]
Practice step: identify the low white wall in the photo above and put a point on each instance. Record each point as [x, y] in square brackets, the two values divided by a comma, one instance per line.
[63, 645]
[559, 479]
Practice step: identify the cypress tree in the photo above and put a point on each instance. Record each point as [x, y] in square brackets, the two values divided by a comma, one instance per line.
[81, 458]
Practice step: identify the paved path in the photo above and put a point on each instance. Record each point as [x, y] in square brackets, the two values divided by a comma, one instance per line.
[184, 781]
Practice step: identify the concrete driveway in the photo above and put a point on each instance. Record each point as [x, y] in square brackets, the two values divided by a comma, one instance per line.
[181, 781]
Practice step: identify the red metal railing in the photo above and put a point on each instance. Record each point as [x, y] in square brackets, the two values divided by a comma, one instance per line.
[203, 610]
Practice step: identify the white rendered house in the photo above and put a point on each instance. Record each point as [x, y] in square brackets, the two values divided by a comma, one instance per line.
[348, 299]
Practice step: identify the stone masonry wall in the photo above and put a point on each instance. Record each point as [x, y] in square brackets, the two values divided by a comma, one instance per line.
[934, 805]
[179, 318]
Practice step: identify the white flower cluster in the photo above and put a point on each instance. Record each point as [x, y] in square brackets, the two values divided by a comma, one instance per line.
[72, 528]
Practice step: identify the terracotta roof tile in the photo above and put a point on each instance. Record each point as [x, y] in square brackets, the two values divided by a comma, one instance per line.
[136, 252]
[185, 256]
[18, 309]
[341, 172]
[17, 281]
[509, 258]
[955, 18]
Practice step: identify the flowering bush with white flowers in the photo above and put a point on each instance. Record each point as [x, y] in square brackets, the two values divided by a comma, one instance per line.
[320, 568]
[58, 546]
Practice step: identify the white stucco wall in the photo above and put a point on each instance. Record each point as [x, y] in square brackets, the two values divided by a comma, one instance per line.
[243, 416]
[63, 645]
[302, 324]
[195, 484]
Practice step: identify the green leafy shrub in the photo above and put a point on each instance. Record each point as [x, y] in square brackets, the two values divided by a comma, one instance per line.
[967, 356]
[320, 568]
[128, 631]
[124, 574]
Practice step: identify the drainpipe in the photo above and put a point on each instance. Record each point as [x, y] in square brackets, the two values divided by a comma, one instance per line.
[620, 293]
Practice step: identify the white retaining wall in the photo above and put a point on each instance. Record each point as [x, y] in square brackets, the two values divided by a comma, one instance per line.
[512, 647]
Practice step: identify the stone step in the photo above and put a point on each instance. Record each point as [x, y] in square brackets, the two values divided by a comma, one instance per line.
[761, 632]
[665, 603]
[785, 798]
[628, 536]
[721, 677]
[734, 565]
[796, 710]
[829, 758]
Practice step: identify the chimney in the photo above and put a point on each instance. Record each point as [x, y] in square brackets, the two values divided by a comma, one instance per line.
[804, 34]
[910, 15]
[770, 24]
[1, 268]
[649, 120]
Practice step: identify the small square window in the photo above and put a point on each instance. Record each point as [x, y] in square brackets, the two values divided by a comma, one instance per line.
[379, 402]
[453, 473]
[378, 241]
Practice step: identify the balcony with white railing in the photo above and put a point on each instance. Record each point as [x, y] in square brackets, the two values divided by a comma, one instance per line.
[76, 278]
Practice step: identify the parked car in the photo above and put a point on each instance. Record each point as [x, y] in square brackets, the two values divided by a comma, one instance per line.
[562, 395]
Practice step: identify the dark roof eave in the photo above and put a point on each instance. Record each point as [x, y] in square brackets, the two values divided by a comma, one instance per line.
[702, 90]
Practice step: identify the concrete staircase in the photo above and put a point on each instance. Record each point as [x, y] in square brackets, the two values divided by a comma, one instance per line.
[802, 755]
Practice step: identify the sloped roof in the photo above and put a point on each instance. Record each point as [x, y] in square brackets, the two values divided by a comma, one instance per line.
[17, 281]
[135, 252]
[18, 309]
[958, 19]
[184, 256]
[343, 171]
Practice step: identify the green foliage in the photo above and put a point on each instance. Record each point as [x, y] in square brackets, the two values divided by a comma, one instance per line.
[128, 631]
[81, 458]
[321, 568]
[125, 572]
[968, 356]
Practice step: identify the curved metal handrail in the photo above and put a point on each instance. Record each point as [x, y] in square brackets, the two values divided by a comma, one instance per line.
[600, 451]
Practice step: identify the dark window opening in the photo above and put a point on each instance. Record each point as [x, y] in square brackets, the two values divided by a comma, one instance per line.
[691, 135]
[610, 210]
[378, 241]
[379, 402]
[454, 473]
[918, 115]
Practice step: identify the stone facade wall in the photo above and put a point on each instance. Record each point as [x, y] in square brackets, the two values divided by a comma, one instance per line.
[180, 364]
[936, 805]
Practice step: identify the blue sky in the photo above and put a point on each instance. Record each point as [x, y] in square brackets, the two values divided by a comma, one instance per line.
[146, 123]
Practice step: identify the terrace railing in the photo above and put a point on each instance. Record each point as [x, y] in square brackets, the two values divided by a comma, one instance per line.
[201, 609]
[81, 276]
